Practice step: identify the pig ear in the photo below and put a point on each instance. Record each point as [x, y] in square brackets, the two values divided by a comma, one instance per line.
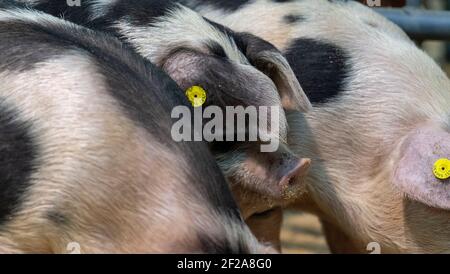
[190, 67]
[183, 65]
[223, 81]
[265, 57]
[414, 173]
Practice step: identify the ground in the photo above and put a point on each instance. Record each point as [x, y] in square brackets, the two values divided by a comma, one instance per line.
[302, 234]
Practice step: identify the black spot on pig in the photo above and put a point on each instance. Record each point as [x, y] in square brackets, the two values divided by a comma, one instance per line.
[137, 12]
[18, 153]
[321, 68]
[228, 5]
[293, 18]
[76, 14]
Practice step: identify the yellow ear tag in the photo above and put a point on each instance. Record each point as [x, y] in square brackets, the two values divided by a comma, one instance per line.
[441, 169]
[196, 95]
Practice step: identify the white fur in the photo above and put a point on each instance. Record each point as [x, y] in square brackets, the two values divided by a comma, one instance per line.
[25, 15]
[180, 27]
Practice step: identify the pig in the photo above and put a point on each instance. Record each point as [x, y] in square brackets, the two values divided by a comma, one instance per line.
[87, 160]
[380, 120]
[236, 69]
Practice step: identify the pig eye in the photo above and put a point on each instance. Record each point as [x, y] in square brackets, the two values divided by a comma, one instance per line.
[264, 214]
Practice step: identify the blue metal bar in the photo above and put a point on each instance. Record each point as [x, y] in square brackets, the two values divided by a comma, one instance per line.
[414, 3]
[420, 24]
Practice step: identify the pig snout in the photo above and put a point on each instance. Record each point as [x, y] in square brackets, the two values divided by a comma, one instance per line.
[292, 171]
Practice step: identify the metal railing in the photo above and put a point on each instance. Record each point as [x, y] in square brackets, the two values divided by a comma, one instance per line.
[420, 24]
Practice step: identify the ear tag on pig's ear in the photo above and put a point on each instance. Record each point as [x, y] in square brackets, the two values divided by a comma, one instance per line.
[196, 95]
[441, 169]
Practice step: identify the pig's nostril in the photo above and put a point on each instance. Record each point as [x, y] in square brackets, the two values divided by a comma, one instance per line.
[292, 180]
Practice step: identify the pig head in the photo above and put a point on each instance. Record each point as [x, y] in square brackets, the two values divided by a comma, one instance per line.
[237, 70]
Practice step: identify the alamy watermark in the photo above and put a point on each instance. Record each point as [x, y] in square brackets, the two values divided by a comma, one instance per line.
[249, 124]
[374, 248]
[373, 3]
[73, 248]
